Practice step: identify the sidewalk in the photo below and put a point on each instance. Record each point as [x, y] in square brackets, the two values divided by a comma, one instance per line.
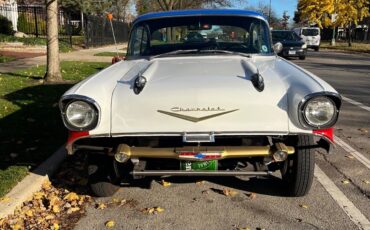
[86, 55]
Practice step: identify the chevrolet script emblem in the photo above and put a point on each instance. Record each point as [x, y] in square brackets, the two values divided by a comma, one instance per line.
[196, 119]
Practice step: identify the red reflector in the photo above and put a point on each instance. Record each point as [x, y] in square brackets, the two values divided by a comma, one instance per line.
[74, 135]
[328, 133]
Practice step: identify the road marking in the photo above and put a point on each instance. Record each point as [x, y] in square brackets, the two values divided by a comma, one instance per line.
[348, 207]
[356, 103]
[353, 152]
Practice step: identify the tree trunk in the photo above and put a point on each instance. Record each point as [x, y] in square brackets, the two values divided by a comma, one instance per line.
[52, 68]
[350, 35]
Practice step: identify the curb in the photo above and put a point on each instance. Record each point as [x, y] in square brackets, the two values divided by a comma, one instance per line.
[31, 183]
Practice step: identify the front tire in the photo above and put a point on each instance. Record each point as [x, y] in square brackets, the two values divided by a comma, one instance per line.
[302, 57]
[298, 170]
[101, 176]
[317, 49]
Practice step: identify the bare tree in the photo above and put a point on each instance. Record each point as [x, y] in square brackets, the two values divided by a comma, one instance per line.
[143, 6]
[53, 67]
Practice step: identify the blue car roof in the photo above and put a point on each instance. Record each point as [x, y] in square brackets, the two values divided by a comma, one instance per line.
[200, 12]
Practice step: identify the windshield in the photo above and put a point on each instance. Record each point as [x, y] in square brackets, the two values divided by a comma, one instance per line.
[310, 32]
[234, 34]
[284, 36]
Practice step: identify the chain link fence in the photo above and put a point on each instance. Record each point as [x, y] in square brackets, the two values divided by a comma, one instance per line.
[99, 31]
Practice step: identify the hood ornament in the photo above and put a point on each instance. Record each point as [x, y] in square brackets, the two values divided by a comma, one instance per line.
[196, 119]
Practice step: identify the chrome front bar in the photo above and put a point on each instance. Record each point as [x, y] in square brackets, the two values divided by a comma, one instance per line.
[197, 173]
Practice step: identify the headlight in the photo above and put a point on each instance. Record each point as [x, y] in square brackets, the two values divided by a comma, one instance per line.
[304, 46]
[81, 115]
[320, 112]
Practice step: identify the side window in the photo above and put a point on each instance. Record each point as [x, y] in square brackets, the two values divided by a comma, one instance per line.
[136, 41]
[139, 42]
[259, 38]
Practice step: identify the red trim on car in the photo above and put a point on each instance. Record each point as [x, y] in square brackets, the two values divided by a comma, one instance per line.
[328, 133]
[74, 135]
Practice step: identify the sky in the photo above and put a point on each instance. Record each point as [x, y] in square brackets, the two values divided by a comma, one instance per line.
[279, 6]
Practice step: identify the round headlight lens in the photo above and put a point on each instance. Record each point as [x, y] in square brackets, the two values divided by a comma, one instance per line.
[320, 111]
[80, 114]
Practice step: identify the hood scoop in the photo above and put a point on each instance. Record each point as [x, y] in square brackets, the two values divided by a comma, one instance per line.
[256, 78]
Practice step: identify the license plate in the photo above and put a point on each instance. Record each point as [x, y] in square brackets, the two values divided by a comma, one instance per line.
[199, 165]
[292, 52]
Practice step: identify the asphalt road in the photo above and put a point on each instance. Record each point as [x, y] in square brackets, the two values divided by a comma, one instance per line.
[331, 204]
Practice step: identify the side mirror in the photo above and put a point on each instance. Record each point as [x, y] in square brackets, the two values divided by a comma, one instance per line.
[277, 47]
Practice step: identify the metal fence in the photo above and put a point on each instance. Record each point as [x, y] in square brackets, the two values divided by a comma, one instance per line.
[98, 31]
[10, 11]
[360, 34]
[94, 31]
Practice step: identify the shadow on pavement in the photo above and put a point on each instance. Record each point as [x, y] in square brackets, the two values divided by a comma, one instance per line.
[271, 186]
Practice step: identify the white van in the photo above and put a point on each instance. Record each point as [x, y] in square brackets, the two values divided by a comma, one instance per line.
[310, 35]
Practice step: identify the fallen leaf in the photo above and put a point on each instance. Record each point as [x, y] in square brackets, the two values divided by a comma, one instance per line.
[16, 227]
[252, 195]
[110, 224]
[56, 226]
[122, 202]
[363, 130]
[205, 192]
[229, 192]
[244, 228]
[29, 213]
[72, 210]
[345, 182]
[46, 185]
[200, 182]
[56, 208]
[350, 157]
[49, 217]
[303, 206]
[38, 195]
[165, 183]
[366, 181]
[71, 196]
[101, 206]
[159, 209]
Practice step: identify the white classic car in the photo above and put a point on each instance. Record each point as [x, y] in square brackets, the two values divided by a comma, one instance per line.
[201, 93]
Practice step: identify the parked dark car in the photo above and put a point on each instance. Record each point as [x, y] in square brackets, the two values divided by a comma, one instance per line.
[293, 46]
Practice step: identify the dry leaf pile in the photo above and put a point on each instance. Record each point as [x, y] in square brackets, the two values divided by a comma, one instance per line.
[50, 208]
[54, 207]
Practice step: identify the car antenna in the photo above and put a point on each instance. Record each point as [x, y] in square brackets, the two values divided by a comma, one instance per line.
[116, 58]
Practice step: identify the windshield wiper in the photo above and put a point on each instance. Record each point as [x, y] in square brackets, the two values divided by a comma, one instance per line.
[175, 52]
[200, 51]
[225, 52]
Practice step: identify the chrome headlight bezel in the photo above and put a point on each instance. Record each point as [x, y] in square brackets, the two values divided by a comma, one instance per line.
[67, 101]
[332, 98]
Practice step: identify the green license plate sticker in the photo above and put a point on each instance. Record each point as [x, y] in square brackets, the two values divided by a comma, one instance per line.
[199, 165]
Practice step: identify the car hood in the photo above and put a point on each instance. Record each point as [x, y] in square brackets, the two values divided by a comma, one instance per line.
[200, 94]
